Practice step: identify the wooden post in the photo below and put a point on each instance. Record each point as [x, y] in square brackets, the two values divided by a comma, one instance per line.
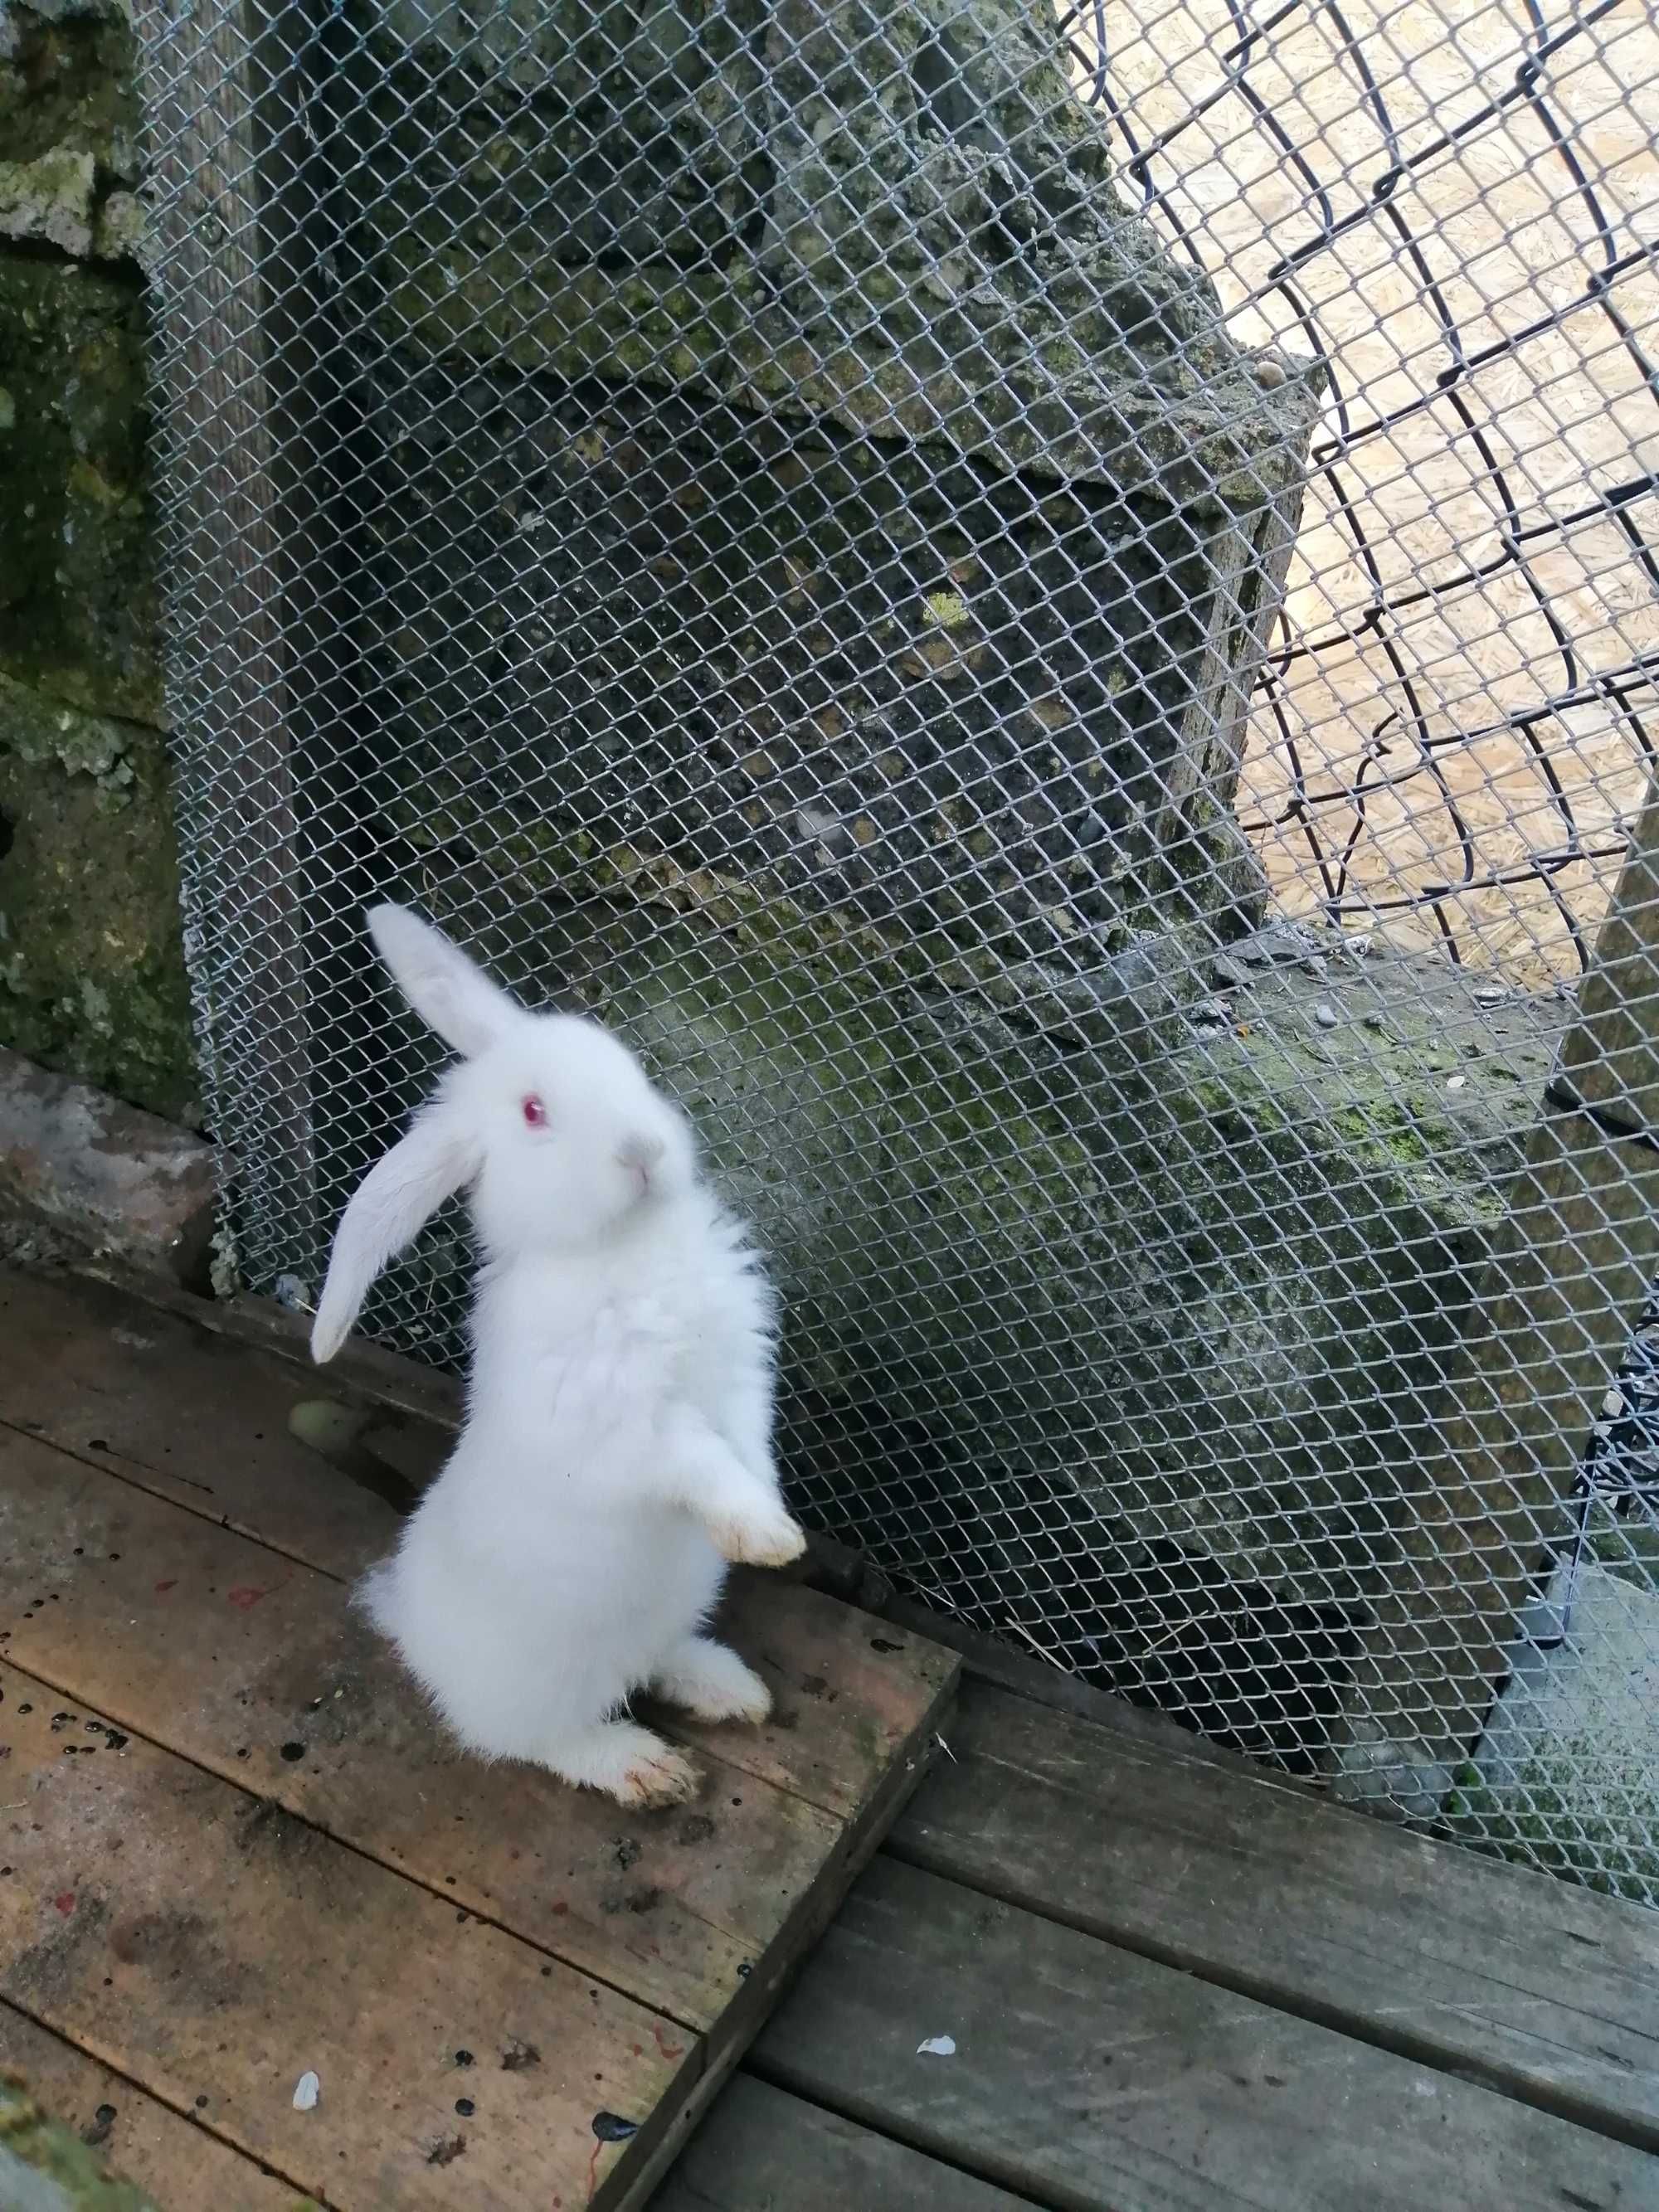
[1610, 1063]
[231, 155]
[1553, 1309]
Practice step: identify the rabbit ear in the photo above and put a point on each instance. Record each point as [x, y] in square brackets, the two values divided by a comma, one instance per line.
[448, 992]
[410, 1182]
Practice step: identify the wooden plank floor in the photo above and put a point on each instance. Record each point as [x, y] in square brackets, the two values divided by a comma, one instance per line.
[1172, 1981]
[234, 1849]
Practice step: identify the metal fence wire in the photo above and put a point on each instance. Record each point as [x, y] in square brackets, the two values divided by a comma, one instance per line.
[1052, 613]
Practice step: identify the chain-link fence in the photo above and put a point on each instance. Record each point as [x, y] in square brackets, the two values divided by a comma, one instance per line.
[1051, 615]
[1453, 207]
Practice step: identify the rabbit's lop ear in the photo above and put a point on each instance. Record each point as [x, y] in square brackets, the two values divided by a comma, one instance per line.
[399, 1192]
[448, 992]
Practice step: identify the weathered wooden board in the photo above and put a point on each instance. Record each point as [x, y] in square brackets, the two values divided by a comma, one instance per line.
[254, 1667]
[129, 1590]
[1089, 2078]
[1577, 1252]
[180, 2162]
[193, 1415]
[199, 1418]
[761, 2150]
[207, 1944]
[1547, 1989]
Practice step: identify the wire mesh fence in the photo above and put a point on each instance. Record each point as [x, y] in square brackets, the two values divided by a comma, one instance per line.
[1050, 613]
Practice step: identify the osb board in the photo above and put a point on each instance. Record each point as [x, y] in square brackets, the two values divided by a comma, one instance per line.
[198, 1684]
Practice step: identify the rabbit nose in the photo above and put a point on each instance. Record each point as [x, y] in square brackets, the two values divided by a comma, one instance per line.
[641, 1154]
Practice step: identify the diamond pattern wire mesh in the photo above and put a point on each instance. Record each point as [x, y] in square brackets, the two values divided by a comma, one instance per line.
[807, 531]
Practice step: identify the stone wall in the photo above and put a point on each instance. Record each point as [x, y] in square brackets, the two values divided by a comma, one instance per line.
[91, 970]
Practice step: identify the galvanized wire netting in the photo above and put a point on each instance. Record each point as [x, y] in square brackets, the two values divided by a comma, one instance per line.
[806, 529]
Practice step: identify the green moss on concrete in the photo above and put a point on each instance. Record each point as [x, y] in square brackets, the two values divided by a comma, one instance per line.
[91, 970]
[992, 389]
[663, 325]
[78, 599]
[880, 291]
[50, 201]
[67, 81]
[984, 1186]
[91, 977]
[44, 2166]
[50, 2167]
[1543, 1817]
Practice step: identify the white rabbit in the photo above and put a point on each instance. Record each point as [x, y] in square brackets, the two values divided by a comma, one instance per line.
[616, 1451]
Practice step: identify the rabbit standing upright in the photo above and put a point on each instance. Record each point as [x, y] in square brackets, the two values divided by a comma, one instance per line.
[616, 1449]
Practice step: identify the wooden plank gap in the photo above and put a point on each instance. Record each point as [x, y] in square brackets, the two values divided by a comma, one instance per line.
[875, 2117]
[761, 2148]
[121, 1469]
[1424, 2049]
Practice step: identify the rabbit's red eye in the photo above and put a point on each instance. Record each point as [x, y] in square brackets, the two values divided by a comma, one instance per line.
[535, 1114]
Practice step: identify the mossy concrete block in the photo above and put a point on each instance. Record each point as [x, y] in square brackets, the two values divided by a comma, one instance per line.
[123, 1182]
[811, 419]
[77, 596]
[67, 70]
[92, 973]
[50, 202]
[873, 676]
[1566, 1775]
[1079, 1299]
[908, 223]
[69, 128]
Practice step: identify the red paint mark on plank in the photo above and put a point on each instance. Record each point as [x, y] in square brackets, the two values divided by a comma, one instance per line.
[162, 1588]
[560, 1907]
[245, 1596]
[670, 2050]
[66, 1901]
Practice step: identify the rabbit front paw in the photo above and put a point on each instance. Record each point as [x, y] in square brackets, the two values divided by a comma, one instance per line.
[661, 1776]
[758, 1538]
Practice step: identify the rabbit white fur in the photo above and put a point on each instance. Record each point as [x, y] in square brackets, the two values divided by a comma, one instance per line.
[616, 1449]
